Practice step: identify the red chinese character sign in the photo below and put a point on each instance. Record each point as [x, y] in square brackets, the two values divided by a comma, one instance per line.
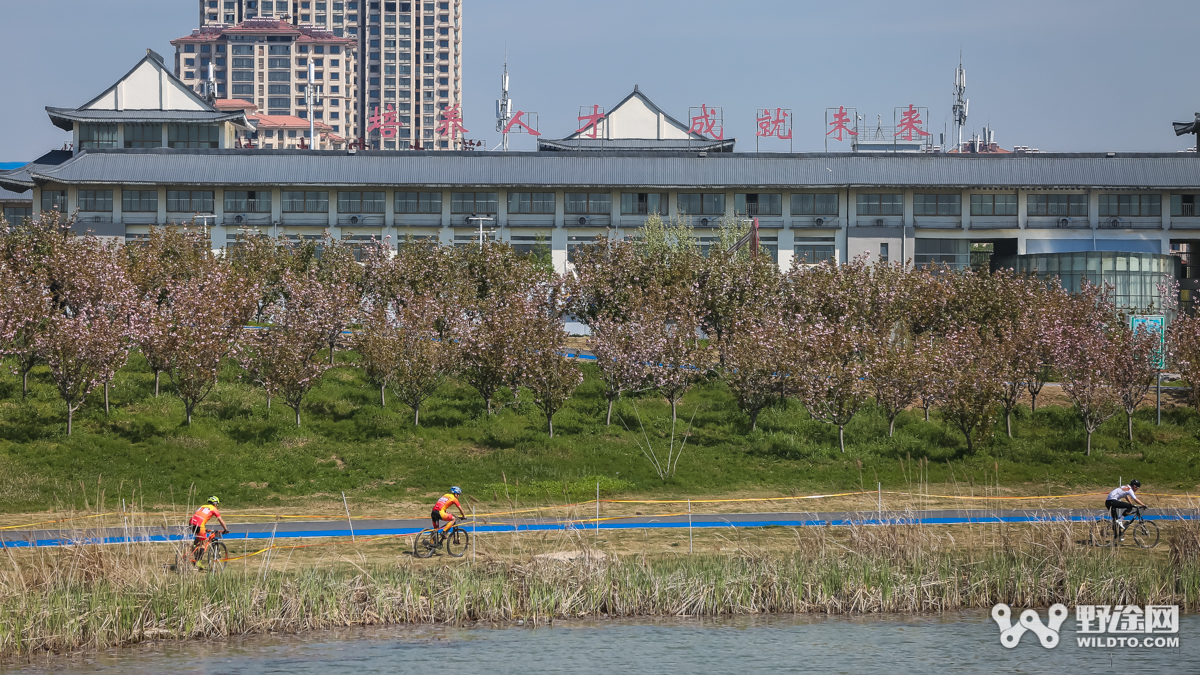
[911, 123]
[386, 123]
[775, 123]
[590, 120]
[840, 123]
[707, 121]
[451, 121]
[523, 123]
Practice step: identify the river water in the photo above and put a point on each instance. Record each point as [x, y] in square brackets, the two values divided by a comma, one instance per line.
[957, 642]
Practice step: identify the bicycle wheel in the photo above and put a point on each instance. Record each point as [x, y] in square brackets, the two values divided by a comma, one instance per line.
[423, 544]
[215, 556]
[1145, 533]
[1102, 532]
[457, 542]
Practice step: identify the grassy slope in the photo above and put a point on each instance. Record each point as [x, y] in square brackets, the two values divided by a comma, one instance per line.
[249, 455]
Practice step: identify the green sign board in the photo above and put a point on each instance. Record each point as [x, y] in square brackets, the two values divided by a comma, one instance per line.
[1153, 323]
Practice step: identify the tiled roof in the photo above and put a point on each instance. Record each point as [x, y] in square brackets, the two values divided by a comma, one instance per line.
[63, 117]
[19, 180]
[667, 170]
[9, 196]
[285, 122]
[233, 104]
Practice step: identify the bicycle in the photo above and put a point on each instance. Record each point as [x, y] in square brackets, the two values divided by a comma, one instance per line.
[212, 553]
[455, 539]
[1145, 532]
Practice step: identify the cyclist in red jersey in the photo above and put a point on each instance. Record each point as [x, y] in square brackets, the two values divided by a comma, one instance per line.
[198, 522]
[440, 513]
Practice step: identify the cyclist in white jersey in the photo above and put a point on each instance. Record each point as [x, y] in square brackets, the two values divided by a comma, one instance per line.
[1117, 501]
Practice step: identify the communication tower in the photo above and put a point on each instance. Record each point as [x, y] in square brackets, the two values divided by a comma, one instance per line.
[960, 102]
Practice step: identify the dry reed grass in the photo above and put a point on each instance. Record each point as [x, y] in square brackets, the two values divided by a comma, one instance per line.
[90, 597]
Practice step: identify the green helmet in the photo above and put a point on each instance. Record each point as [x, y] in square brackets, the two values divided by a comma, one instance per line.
[213, 500]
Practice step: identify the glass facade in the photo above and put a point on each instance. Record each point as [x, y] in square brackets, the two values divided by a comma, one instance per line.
[1134, 276]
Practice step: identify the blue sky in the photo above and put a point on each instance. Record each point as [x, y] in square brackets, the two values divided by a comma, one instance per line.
[1060, 76]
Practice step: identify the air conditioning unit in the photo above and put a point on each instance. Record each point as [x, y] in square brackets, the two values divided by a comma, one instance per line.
[879, 222]
[1063, 222]
[1115, 222]
[704, 222]
[239, 219]
[817, 222]
[353, 220]
[583, 220]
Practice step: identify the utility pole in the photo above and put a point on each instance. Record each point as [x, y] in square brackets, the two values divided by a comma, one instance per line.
[480, 220]
[310, 100]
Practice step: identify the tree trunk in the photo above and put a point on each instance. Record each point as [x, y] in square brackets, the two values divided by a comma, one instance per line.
[842, 436]
[106, 398]
[926, 407]
[382, 397]
[24, 383]
[268, 401]
[70, 418]
[608, 419]
[1008, 421]
[417, 415]
[1129, 422]
[550, 423]
[1089, 442]
[297, 417]
[753, 420]
[188, 411]
[488, 400]
[156, 374]
[674, 403]
[331, 343]
[1032, 401]
[892, 424]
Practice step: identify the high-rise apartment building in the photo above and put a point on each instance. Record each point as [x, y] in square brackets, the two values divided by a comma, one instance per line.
[266, 62]
[409, 57]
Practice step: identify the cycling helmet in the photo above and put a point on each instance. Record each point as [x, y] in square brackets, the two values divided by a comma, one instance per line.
[1135, 483]
[213, 500]
[456, 490]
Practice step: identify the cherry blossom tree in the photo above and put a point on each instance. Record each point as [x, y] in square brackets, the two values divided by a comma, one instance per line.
[1184, 352]
[197, 325]
[753, 368]
[732, 284]
[550, 375]
[1135, 367]
[895, 374]
[488, 346]
[678, 359]
[970, 385]
[86, 337]
[1085, 354]
[622, 356]
[831, 370]
[284, 356]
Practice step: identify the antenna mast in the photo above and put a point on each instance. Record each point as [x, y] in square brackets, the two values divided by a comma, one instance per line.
[504, 105]
[960, 102]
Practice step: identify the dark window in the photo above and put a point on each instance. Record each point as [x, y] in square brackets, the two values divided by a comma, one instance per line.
[698, 204]
[360, 202]
[95, 200]
[588, 203]
[993, 205]
[97, 135]
[643, 203]
[139, 201]
[189, 201]
[193, 135]
[758, 204]
[143, 135]
[1183, 205]
[880, 204]
[1057, 205]
[531, 202]
[473, 202]
[418, 202]
[15, 215]
[247, 201]
[812, 254]
[54, 200]
[306, 202]
[1130, 205]
[937, 205]
[883, 252]
[820, 204]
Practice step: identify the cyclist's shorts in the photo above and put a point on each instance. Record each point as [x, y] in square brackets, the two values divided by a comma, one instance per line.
[441, 515]
[197, 530]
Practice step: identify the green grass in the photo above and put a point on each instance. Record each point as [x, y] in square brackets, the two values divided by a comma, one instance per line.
[253, 456]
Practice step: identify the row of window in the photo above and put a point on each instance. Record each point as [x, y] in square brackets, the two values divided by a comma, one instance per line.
[150, 136]
[632, 203]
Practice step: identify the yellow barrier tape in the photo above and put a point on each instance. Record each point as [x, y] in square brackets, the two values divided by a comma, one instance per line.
[60, 520]
[716, 501]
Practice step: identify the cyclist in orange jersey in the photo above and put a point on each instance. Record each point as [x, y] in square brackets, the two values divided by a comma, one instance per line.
[440, 513]
[198, 522]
